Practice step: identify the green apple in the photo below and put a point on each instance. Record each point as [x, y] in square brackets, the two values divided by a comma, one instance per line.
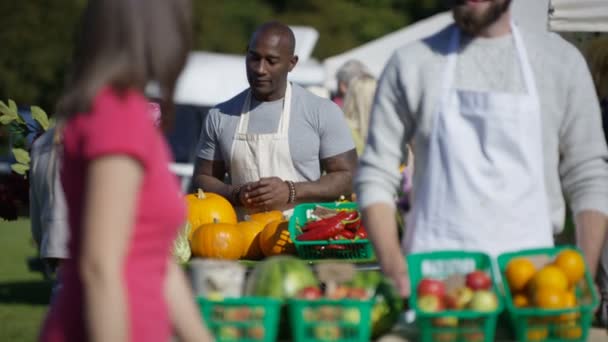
[484, 301]
[459, 298]
[351, 315]
[229, 333]
[430, 303]
[448, 321]
[327, 332]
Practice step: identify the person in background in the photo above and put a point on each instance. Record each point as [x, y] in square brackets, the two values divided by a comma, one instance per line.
[345, 74]
[357, 105]
[124, 206]
[503, 121]
[596, 53]
[275, 138]
[48, 214]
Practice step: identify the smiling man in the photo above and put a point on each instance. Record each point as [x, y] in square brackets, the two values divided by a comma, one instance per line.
[279, 144]
[506, 128]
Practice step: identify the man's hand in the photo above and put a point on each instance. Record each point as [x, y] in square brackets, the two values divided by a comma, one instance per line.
[266, 194]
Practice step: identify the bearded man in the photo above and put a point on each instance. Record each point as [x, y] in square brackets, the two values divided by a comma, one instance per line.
[506, 127]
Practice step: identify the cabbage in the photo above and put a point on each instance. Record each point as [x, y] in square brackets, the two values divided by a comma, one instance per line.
[181, 245]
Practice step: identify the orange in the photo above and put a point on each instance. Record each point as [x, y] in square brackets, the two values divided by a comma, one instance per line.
[572, 264]
[537, 334]
[550, 298]
[569, 331]
[519, 271]
[569, 302]
[549, 276]
[520, 300]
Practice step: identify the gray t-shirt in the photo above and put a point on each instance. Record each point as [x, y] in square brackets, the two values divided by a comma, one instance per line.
[317, 129]
[410, 87]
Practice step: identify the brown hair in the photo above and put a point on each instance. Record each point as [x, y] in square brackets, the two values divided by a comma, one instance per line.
[126, 44]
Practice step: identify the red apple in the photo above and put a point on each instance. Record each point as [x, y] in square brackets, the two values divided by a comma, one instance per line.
[428, 286]
[484, 301]
[357, 293]
[339, 292]
[459, 298]
[310, 293]
[478, 280]
[430, 303]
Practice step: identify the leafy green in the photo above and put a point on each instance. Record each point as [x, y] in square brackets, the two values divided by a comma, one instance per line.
[39, 115]
[20, 168]
[22, 156]
[181, 245]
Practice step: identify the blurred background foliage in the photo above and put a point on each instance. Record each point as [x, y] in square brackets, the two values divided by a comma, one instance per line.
[37, 35]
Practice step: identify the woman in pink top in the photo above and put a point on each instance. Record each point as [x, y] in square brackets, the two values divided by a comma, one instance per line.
[124, 205]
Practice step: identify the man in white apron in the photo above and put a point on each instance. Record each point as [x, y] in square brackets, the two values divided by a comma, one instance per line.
[501, 127]
[279, 143]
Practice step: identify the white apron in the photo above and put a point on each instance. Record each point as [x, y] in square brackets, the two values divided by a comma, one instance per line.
[484, 188]
[254, 156]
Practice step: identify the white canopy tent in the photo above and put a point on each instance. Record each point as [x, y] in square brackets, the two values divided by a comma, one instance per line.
[541, 15]
[210, 78]
[376, 53]
[578, 15]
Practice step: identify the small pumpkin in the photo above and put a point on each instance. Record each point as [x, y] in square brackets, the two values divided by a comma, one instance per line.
[275, 239]
[217, 241]
[266, 217]
[251, 239]
[208, 207]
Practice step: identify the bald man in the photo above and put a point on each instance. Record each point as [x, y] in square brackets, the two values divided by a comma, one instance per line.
[278, 143]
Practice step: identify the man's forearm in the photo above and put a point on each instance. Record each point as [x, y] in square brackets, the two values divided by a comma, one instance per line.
[328, 188]
[214, 185]
[382, 231]
[591, 229]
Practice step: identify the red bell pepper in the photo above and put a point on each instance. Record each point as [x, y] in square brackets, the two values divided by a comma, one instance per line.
[361, 232]
[322, 233]
[343, 215]
[344, 235]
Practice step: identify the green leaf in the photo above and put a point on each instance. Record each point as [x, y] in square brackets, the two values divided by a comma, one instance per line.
[20, 168]
[21, 155]
[6, 119]
[8, 111]
[39, 115]
[12, 106]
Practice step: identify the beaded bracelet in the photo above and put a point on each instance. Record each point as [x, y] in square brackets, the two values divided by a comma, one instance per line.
[292, 191]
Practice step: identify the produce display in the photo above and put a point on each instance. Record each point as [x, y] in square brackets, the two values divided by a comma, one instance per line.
[549, 293]
[454, 295]
[333, 225]
[242, 319]
[329, 231]
[280, 277]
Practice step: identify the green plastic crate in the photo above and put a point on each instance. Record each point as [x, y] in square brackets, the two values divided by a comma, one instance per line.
[330, 320]
[242, 319]
[469, 325]
[311, 250]
[534, 324]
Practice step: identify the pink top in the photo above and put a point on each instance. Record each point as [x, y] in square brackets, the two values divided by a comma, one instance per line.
[121, 125]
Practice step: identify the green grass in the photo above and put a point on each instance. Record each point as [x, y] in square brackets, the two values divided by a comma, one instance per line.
[23, 294]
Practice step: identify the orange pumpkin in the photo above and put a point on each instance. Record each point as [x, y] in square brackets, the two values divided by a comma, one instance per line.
[251, 239]
[266, 217]
[217, 241]
[207, 207]
[275, 239]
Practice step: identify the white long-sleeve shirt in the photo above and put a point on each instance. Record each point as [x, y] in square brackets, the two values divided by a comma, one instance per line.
[48, 211]
[575, 152]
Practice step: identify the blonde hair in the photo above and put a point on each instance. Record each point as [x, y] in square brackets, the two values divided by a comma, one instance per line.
[358, 103]
[596, 53]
